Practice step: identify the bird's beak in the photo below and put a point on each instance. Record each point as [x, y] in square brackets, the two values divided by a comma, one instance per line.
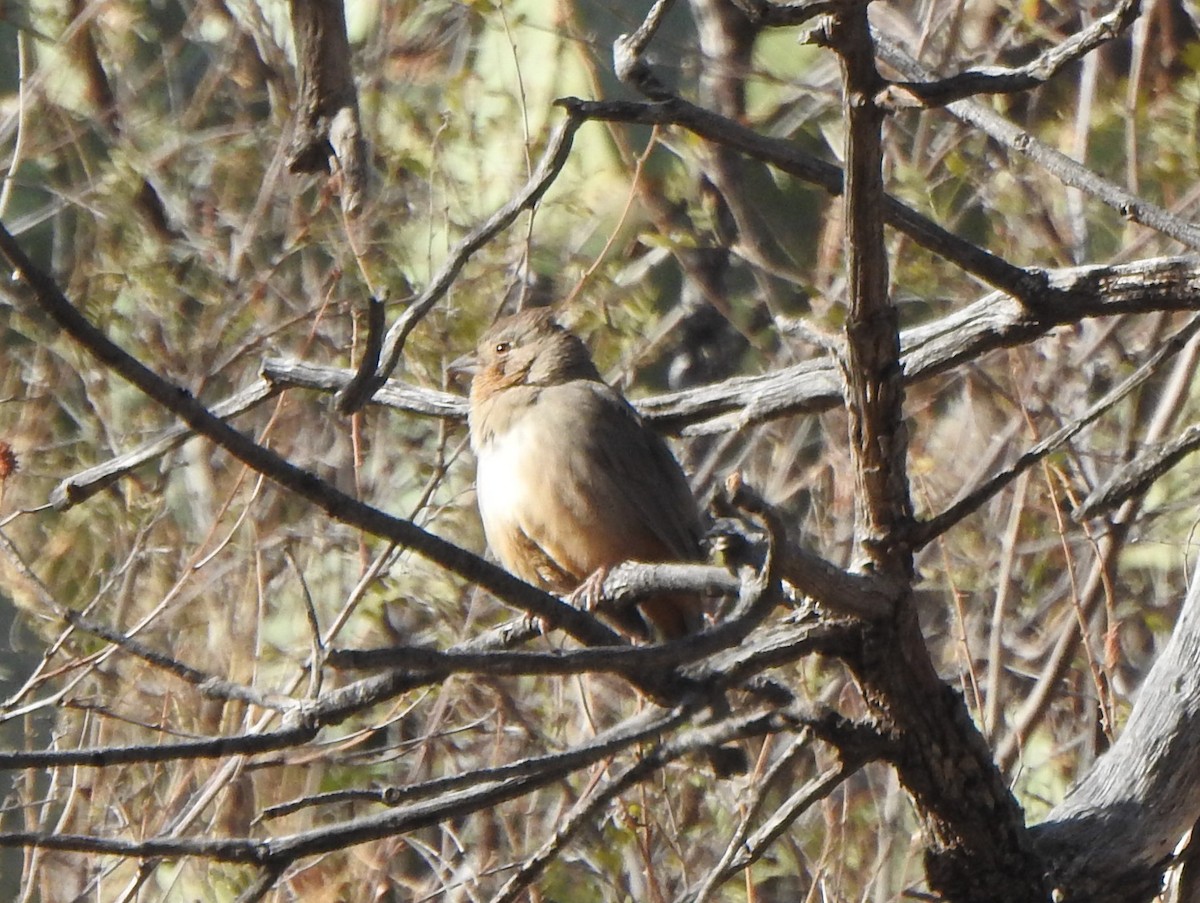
[462, 370]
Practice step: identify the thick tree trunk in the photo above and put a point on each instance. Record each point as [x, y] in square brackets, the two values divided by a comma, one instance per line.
[1111, 837]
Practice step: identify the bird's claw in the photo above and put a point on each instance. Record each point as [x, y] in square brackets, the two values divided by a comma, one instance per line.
[589, 594]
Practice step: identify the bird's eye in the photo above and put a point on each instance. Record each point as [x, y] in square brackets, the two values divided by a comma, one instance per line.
[502, 347]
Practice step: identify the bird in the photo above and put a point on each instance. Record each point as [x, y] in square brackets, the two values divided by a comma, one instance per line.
[570, 479]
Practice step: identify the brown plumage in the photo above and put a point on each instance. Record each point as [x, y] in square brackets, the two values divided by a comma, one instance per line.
[571, 481]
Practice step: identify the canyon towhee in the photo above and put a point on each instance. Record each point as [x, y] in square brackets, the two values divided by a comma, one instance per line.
[571, 481]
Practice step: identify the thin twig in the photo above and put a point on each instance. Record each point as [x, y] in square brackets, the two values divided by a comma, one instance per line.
[1001, 80]
[928, 529]
[585, 811]
[1062, 167]
[368, 380]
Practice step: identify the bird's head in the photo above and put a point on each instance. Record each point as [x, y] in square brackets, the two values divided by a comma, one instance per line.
[528, 349]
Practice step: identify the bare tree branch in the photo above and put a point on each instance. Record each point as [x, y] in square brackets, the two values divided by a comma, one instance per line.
[585, 811]
[207, 684]
[82, 486]
[768, 14]
[1139, 474]
[648, 725]
[369, 380]
[872, 373]
[801, 800]
[927, 530]
[398, 820]
[787, 157]
[1059, 165]
[328, 130]
[1001, 80]
[208, 748]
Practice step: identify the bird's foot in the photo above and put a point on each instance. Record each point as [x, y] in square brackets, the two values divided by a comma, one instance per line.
[586, 597]
[589, 594]
[532, 624]
[589, 597]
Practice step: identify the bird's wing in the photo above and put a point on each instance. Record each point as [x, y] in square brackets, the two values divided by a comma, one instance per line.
[639, 472]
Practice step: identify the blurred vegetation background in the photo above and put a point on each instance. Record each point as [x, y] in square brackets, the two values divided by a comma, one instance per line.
[144, 148]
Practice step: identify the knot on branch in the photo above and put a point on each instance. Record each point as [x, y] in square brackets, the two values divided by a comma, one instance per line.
[632, 69]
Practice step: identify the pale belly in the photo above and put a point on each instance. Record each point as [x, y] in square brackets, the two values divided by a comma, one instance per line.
[539, 498]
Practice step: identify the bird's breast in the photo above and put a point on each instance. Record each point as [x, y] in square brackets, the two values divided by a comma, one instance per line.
[505, 460]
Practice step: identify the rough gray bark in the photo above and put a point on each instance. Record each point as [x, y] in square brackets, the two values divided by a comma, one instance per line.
[328, 134]
[1108, 840]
